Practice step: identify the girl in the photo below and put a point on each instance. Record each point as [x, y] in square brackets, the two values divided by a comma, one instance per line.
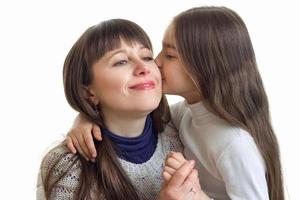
[110, 76]
[224, 122]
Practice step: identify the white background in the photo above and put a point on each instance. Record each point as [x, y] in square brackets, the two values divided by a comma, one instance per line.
[36, 36]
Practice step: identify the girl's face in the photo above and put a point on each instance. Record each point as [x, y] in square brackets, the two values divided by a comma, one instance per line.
[175, 79]
[126, 80]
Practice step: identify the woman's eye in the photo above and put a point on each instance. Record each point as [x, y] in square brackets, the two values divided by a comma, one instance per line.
[121, 62]
[148, 58]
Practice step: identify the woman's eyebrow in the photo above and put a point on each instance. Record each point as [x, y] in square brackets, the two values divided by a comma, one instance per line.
[111, 54]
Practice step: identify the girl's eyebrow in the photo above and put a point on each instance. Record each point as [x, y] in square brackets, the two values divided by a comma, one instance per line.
[168, 45]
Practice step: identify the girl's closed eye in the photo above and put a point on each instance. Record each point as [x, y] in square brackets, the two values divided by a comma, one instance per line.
[169, 56]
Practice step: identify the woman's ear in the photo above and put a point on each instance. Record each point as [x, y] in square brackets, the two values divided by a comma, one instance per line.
[90, 95]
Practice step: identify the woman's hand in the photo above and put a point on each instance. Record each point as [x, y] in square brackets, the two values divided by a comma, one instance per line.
[80, 137]
[181, 181]
[173, 162]
[183, 185]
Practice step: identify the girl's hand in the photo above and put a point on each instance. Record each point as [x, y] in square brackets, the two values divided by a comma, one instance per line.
[80, 137]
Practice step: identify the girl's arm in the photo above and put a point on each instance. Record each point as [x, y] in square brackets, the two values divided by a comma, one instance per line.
[177, 111]
[243, 170]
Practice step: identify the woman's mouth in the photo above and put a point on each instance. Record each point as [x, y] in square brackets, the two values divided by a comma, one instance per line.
[147, 85]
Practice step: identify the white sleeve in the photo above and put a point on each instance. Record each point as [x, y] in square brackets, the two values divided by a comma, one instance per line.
[243, 170]
[177, 111]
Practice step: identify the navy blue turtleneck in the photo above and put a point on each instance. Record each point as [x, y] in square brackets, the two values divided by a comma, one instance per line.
[136, 149]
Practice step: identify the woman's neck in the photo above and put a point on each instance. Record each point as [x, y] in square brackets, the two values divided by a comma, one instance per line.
[124, 125]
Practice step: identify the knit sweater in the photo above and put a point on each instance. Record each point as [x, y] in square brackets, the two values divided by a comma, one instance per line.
[229, 163]
[146, 177]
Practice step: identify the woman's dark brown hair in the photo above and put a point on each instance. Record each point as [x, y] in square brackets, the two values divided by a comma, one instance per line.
[106, 177]
[214, 45]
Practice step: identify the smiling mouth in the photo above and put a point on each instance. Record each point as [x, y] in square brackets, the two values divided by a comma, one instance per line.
[144, 86]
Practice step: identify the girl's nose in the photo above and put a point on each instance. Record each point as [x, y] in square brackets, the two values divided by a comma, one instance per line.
[158, 60]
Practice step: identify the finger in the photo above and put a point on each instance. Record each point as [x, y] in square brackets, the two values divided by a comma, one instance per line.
[181, 174]
[172, 163]
[191, 195]
[79, 149]
[196, 181]
[166, 177]
[178, 156]
[194, 190]
[83, 146]
[88, 139]
[191, 181]
[169, 154]
[70, 144]
[170, 170]
[97, 132]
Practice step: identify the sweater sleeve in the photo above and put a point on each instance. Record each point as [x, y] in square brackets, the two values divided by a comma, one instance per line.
[243, 170]
[63, 170]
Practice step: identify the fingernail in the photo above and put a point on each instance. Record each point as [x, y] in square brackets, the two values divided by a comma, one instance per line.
[192, 162]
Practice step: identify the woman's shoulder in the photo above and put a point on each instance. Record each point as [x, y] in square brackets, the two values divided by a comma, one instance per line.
[59, 157]
[62, 169]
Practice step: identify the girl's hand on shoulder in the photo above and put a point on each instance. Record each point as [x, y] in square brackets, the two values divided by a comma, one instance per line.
[80, 137]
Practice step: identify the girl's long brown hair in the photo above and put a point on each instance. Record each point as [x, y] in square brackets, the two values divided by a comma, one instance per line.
[106, 174]
[214, 45]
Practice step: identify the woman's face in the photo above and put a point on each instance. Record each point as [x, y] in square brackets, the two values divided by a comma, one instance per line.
[174, 76]
[126, 80]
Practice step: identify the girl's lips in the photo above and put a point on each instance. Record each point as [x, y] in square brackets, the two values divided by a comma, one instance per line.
[148, 85]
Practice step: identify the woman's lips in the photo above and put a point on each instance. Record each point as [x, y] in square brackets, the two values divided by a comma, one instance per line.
[148, 85]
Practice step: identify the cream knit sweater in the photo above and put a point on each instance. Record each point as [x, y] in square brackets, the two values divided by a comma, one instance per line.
[146, 177]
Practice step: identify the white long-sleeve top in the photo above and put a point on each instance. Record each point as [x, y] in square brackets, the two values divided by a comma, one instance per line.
[229, 163]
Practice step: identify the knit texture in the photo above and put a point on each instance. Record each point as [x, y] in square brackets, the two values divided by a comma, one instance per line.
[146, 177]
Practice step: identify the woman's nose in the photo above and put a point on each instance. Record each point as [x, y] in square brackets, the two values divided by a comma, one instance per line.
[141, 68]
